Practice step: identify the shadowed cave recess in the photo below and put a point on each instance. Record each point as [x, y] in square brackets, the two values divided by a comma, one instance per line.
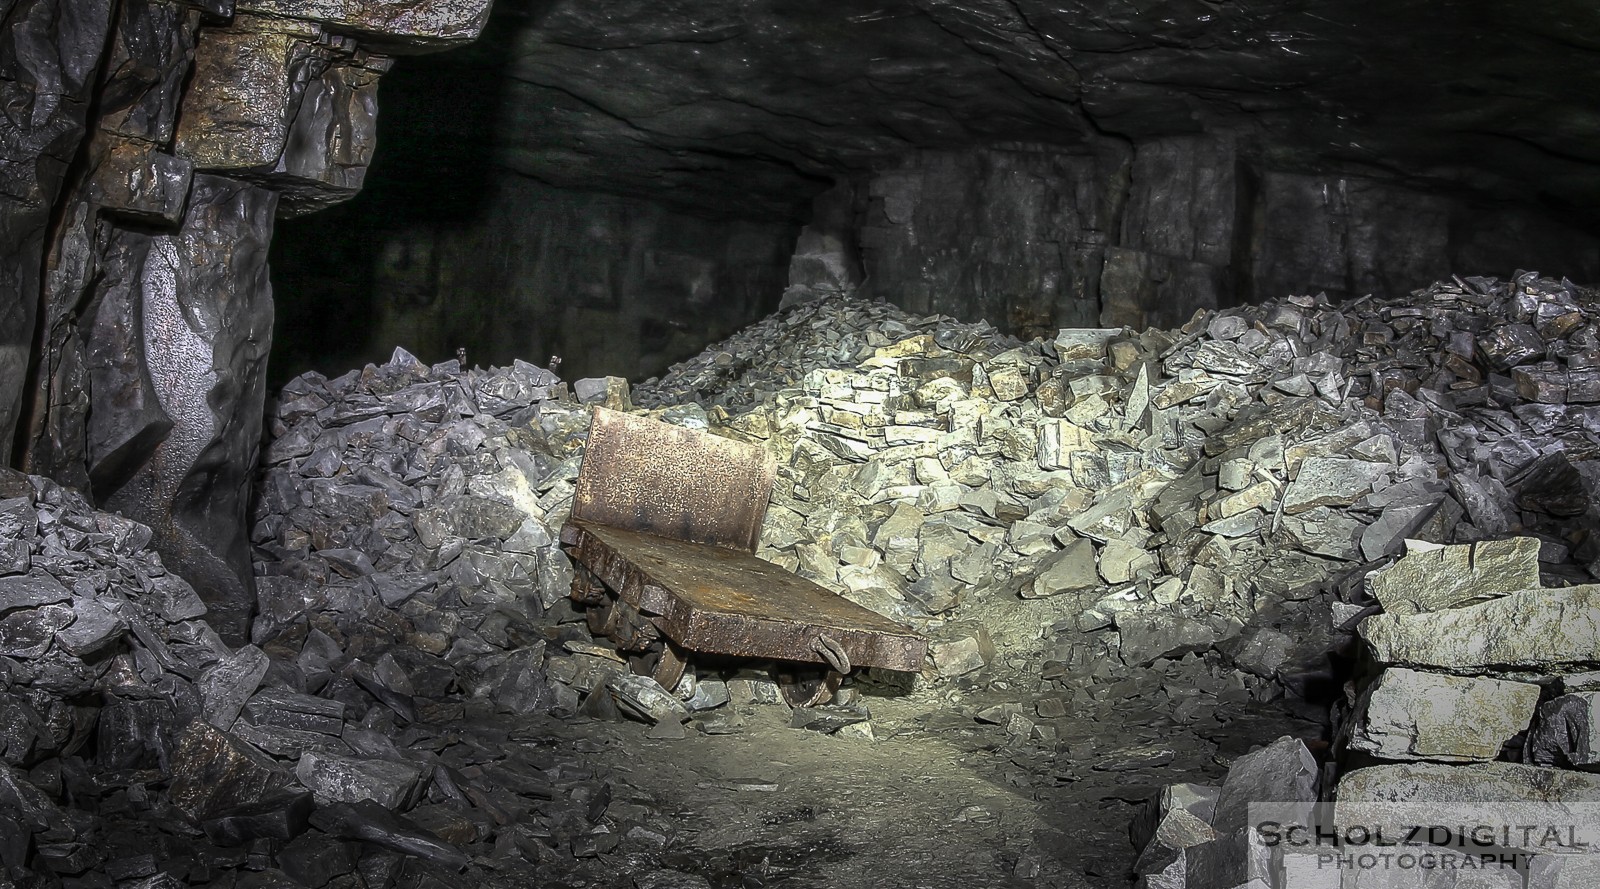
[1212, 385]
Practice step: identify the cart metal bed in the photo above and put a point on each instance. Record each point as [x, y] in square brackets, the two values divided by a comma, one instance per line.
[664, 527]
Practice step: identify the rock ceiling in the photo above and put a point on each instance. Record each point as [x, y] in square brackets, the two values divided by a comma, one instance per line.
[747, 108]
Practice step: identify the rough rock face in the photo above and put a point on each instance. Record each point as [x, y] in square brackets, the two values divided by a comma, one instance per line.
[1549, 630]
[50, 65]
[1486, 782]
[1036, 165]
[611, 284]
[142, 379]
[762, 96]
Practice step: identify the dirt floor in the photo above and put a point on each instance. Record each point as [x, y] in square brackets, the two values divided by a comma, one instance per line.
[937, 799]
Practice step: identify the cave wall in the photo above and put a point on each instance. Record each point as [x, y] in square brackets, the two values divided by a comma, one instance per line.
[1033, 238]
[149, 148]
[49, 63]
[1013, 237]
[611, 284]
[1030, 237]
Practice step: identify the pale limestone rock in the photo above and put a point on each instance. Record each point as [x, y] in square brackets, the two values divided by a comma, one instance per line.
[1481, 782]
[1408, 714]
[1084, 344]
[1431, 577]
[1547, 630]
[1256, 496]
[1070, 570]
[962, 649]
[1008, 383]
[1392, 797]
[1145, 639]
[1058, 441]
[1235, 475]
[1331, 481]
[1121, 562]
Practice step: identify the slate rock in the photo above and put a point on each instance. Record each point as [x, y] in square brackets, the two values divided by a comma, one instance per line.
[1484, 792]
[467, 517]
[1545, 630]
[1282, 772]
[1567, 733]
[522, 688]
[135, 734]
[1486, 782]
[174, 599]
[708, 695]
[1408, 714]
[16, 556]
[29, 632]
[1070, 570]
[1432, 578]
[961, 649]
[370, 822]
[230, 682]
[94, 629]
[270, 819]
[216, 774]
[1196, 800]
[289, 743]
[1330, 481]
[644, 699]
[281, 707]
[1146, 639]
[314, 859]
[1175, 830]
[827, 719]
[30, 590]
[19, 521]
[343, 779]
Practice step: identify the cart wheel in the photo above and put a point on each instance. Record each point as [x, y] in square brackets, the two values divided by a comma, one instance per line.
[633, 632]
[669, 666]
[663, 662]
[807, 686]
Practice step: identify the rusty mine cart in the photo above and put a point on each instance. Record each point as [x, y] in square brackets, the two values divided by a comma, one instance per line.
[664, 527]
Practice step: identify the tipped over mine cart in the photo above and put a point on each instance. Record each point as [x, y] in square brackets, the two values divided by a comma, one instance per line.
[663, 533]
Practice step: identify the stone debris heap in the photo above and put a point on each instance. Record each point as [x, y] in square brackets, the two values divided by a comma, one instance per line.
[1478, 696]
[1057, 515]
[372, 735]
[1170, 491]
[773, 354]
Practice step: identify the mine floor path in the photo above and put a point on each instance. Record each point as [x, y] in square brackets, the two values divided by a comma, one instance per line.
[938, 801]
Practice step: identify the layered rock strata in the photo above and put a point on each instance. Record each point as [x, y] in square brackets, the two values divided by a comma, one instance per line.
[163, 141]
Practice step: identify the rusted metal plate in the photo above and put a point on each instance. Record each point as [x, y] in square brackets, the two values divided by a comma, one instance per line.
[672, 482]
[713, 600]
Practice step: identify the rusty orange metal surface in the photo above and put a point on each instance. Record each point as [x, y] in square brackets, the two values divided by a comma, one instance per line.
[715, 600]
[672, 482]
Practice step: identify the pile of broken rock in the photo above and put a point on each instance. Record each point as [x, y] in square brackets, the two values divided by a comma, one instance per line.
[1478, 687]
[1166, 491]
[1057, 515]
[372, 732]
